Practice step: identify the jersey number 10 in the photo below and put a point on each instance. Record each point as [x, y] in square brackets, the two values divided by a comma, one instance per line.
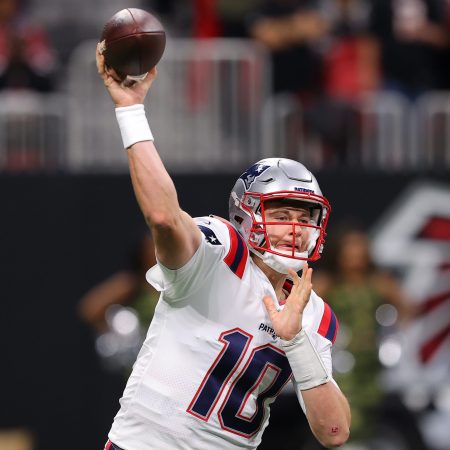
[259, 361]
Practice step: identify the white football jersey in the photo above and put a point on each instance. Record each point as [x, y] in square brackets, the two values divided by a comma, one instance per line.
[211, 363]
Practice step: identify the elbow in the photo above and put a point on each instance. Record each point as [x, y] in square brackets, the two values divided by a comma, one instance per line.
[160, 222]
[333, 439]
[164, 226]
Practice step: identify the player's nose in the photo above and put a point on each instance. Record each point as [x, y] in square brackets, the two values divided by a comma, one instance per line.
[296, 230]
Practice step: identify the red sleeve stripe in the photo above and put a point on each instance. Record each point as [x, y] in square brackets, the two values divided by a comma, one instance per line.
[329, 325]
[237, 256]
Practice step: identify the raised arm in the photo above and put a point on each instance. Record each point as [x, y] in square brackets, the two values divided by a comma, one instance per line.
[175, 234]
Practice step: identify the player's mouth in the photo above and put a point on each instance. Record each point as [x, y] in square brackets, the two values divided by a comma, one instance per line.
[288, 248]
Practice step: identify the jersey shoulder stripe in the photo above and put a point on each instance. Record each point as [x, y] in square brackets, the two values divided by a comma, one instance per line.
[236, 258]
[329, 324]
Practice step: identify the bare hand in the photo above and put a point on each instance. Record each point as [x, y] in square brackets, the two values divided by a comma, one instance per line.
[287, 323]
[123, 94]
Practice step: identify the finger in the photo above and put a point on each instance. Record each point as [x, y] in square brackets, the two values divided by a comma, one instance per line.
[307, 286]
[308, 276]
[100, 59]
[270, 306]
[113, 74]
[153, 73]
[108, 76]
[294, 275]
[298, 281]
[304, 270]
[148, 80]
[301, 293]
[303, 277]
[128, 83]
[295, 290]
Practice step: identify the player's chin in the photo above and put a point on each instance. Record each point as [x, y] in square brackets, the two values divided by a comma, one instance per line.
[285, 250]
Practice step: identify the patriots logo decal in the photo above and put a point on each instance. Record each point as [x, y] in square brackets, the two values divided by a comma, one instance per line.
[210, 237]
[249, 176]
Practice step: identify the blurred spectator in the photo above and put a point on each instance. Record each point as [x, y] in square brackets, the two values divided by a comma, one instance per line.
[351, 66]
[295, 31]
[414, 39]
[233, 15]
[27, 60]
[222, 18]
[323, 55]
[121, 308]
[357, 291]
[350, 70]
[205, 19]
[176, 15]
[16, 439]
[292, 30]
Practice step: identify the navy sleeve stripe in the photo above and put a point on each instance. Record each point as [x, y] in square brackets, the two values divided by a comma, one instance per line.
[236, 258]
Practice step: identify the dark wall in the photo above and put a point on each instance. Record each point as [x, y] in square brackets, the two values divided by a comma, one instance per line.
[59, 235]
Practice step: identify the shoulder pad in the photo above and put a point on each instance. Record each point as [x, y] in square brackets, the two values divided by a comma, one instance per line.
[329, 325]
[216, 229]
[320, 318]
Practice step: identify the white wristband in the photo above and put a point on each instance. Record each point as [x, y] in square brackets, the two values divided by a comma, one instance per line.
[307, 366]
[133, 125]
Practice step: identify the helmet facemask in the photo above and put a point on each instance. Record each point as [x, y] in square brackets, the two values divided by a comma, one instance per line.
[287, 181]
[255, 205]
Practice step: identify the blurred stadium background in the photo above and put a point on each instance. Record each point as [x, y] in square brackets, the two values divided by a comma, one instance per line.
[69, 217]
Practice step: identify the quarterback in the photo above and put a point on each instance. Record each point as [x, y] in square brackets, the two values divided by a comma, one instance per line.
[235, 322]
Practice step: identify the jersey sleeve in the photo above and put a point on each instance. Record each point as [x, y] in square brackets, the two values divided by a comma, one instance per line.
[216, 246]
[321, 325]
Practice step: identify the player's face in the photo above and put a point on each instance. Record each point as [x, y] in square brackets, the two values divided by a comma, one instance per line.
[282, 237]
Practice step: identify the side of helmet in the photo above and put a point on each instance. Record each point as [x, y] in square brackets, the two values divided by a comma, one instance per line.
[277, 179]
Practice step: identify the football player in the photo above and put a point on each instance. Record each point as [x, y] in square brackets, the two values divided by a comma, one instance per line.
[235, 322]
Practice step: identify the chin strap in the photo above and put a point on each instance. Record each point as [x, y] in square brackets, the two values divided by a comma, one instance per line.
[281, 264]
[313, 240]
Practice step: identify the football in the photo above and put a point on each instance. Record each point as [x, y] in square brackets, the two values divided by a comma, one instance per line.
[133, 42]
